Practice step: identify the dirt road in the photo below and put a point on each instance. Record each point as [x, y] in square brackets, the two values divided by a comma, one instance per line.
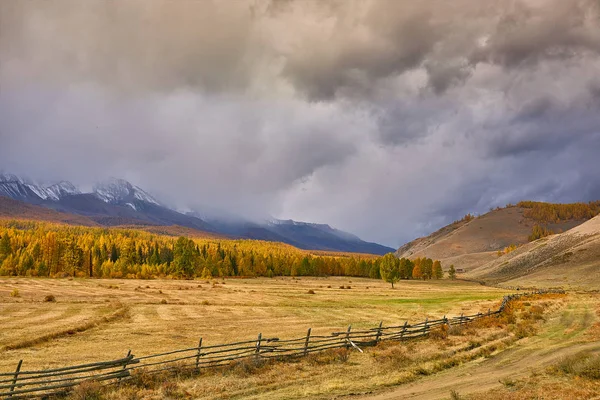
[563, 334]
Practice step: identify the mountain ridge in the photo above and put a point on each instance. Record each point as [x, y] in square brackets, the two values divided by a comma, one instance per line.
[116, 202]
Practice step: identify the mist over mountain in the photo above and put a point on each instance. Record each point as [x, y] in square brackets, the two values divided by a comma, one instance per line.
[116, 202]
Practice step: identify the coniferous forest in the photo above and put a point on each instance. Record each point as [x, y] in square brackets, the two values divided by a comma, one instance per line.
[53, 250]
[29, 248]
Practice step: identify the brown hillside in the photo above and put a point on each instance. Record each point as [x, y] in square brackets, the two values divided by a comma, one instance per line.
[570, 259]
[471, 244]
[13, 209]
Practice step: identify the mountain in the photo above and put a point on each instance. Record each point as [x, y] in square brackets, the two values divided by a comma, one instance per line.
[303, 235]
[16, 188]
[569, 259]
[116, 202]
[15, 209]
[119, 191]
[475, 241]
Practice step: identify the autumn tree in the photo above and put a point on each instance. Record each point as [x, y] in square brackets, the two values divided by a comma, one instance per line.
[406, 268]
[184, 257]
[452, 272]
[389, 268]
[438, 273]
[416, 272]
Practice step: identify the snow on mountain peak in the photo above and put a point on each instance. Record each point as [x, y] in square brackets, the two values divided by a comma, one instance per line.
[119, 190]
[61, 189]
[15, 186]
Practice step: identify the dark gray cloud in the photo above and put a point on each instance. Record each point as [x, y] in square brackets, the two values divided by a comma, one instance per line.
[387, 118]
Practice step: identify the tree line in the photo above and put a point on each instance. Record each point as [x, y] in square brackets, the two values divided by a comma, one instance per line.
[393, 269]
[29, 248]
[556, 213]
[53, 250]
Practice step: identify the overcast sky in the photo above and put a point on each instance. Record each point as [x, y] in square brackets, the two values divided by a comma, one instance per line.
[388, 118]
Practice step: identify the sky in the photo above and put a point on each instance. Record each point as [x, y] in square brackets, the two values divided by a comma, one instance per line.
[388, 119]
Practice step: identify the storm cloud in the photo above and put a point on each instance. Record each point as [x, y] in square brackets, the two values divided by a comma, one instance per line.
[386, 118]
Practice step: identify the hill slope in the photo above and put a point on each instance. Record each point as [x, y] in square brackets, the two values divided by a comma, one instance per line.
[569, 259]
[13, 209]
[471, 243]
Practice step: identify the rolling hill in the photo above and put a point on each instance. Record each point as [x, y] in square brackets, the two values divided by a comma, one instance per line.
[473, 242]
[570, 259]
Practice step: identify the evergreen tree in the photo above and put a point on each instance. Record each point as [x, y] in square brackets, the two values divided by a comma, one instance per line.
[438, 272]
[452, 272]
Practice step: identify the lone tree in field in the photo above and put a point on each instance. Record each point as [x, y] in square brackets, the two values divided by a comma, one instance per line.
[390, 268]
[452, 272]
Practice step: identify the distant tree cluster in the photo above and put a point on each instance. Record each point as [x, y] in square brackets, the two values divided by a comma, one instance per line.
[539, 232]
[467, 218]
[556, 213]
[45, 249]
[393, 269]
[507, 249]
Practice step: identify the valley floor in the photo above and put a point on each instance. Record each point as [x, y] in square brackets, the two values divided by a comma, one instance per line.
[94, 320]
[152, 316]
[521, 371]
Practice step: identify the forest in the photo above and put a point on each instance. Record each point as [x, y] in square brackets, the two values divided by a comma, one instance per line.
[52, 250]
[555, 213]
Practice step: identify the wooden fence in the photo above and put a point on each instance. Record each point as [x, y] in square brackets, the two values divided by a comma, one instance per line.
[26, 384]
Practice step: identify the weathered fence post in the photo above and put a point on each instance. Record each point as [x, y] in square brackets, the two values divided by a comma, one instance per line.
[14, 382]
[258, 344]
[127, 359]
[489, 312]
[426, 327]
[403, 330]
[378, 336]
[348, 336]
[461, 318]
[198, 355]
[306, 342]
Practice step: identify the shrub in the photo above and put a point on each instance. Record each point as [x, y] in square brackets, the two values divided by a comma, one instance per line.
[328, 357]
[439, 333]
[50, 298]
[246, 366]
[171, 390]
[89, 390]
[582, 364]
[394, 356]
[14, 293]
[163, 301]
[311, 292]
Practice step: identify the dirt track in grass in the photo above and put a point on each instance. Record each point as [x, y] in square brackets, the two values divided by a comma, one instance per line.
[564, 334]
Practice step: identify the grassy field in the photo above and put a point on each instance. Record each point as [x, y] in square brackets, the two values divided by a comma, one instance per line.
[160, 315]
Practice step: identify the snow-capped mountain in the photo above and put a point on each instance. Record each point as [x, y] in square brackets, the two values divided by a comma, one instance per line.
[22, 189]
[60, 190]
[118, 202]
[119, 191]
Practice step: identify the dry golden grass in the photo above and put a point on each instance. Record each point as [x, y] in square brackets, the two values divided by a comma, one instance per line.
[115, 315]
[339, 372]
[73, 328]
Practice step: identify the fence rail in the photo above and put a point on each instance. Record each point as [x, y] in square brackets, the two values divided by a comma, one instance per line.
[26, 384]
